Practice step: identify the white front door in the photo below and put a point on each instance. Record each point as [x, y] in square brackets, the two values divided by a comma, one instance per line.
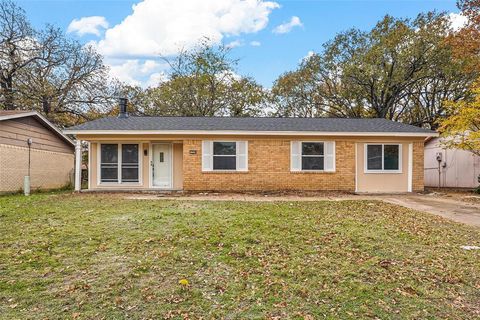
[162, 165]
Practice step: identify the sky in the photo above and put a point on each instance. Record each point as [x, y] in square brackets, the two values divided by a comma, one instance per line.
[268, 37]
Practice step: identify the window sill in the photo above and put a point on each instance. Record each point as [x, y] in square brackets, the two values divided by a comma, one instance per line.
[225, 171]
[119, 184]
[312, 171]
[382, 172]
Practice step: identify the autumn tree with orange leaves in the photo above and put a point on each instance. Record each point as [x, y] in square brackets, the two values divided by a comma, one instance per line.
[466, 42]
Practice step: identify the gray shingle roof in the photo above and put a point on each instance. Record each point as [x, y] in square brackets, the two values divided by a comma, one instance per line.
[249, 124]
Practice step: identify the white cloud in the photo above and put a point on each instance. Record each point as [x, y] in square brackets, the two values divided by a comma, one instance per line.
[136, 72]
[457, 21]
[288, 26]
[307, 56]
[228, 76]
[87, 25]
[156, 78]
[234, 44]
[163, 27]
[255, 43]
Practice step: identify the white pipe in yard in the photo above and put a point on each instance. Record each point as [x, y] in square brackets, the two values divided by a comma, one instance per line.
[78, 165]
[26, 179]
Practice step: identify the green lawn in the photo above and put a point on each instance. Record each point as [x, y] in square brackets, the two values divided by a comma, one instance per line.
[101, 256]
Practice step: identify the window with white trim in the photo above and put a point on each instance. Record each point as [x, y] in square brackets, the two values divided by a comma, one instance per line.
[224, 156]
[109, 163]
[312, 156]
[383, 158]
[119, 163]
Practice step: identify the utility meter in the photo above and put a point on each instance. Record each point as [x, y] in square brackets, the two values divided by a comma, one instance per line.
[439, 156]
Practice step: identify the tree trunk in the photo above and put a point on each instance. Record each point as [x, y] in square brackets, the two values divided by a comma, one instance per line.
[7, 86]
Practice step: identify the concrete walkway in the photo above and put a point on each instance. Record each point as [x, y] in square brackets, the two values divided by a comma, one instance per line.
[448, 208]
[453, 209]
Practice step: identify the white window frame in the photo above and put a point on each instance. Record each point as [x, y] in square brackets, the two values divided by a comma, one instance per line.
[312, 156]
[119, 150]
[383, 144]
[332, 170]
[236, 156]
[224, 155]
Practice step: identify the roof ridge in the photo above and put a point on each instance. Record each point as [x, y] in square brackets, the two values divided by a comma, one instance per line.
[266, 117]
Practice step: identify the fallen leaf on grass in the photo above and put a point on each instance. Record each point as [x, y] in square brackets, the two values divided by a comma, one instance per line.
[386, 263]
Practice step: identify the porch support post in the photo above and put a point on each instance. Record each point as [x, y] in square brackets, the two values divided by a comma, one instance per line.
[78, 165]
[410, 167]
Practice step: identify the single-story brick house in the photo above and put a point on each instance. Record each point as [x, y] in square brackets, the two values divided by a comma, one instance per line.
[240, 154]
[50, 155]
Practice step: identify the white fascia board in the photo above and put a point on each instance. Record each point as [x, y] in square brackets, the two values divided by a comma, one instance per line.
[18, 115]
[242, 132]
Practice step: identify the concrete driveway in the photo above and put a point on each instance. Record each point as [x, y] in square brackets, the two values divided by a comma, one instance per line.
[460, 211]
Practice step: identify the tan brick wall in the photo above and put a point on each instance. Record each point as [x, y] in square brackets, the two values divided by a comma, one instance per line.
[48, 169]
[417, 172]
[269, 164]
[269, 169]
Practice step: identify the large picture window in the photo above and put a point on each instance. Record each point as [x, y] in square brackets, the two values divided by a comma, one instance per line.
[383, 158]
[119, 163]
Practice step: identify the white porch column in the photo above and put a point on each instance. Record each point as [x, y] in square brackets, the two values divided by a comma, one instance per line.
[78, 165]
[410, 167]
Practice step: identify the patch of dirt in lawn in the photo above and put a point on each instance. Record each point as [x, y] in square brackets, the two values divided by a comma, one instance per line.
[252, 196]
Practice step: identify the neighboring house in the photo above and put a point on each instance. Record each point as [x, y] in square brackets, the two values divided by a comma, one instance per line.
[458, 168]
[240, 154]
[51, 152]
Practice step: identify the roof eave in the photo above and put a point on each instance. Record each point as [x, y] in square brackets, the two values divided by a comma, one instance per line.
[42, 119]
[245, 132]
[18, 115]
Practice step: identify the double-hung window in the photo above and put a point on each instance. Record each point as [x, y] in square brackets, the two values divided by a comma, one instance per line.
[224, 156]
[312, 156]
[119, 163]
[109, 163]
[130, 163]
[383, 158]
